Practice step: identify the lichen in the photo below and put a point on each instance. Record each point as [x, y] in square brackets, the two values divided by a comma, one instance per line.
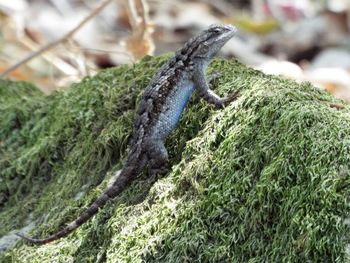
[264, 180]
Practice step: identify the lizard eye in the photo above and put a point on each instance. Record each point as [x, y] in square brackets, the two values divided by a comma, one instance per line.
[215, 30]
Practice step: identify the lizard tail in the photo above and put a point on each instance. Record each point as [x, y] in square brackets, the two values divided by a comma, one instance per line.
[122, 181]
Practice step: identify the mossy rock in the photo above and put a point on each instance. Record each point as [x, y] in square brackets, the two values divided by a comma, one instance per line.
[264, 180]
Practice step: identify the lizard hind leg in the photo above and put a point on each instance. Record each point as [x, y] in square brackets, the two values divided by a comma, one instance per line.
[158, 159]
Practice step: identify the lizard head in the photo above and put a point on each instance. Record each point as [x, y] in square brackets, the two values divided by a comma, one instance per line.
[211, 40]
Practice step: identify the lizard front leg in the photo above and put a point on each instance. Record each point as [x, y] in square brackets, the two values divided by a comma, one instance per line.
[209, 95]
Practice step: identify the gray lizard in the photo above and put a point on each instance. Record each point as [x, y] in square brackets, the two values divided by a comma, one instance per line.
[160, 109]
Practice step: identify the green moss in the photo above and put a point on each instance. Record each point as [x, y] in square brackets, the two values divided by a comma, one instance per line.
[263, 180]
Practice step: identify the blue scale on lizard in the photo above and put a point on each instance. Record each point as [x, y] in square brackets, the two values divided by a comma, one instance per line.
[175, 105]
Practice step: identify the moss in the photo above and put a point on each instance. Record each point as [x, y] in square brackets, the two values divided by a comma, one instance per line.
[263, 180]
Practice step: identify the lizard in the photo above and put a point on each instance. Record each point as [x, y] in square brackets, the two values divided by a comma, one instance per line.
[160, 109]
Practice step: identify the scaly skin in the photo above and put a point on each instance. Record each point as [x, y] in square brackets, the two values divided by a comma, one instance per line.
[160, 109]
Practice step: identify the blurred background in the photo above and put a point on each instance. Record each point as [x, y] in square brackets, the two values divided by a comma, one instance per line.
[56, 42]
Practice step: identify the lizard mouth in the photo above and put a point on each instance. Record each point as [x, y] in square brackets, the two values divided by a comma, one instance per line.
[230, 31]
[230, 28]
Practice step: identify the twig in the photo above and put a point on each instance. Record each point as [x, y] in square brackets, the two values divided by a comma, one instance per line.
[54, 60]
[111, 52]
[64, 38]
[221, 6]
[140, 42]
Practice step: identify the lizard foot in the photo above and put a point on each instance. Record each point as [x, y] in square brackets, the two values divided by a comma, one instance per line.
[231, 97]
[157, 173]
[214, 77]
